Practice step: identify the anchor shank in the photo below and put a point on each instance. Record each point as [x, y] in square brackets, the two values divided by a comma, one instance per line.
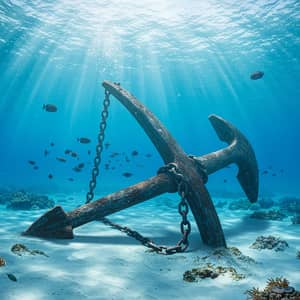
[62, 227]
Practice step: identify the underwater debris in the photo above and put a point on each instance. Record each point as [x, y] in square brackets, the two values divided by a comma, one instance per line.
[211, 271]
[257, 75]
[277, 288]
[31, 162]
[20, 249]
[126, 174]
[11, 276]
[27, 201]
[84, 140]
[274, 215]
[269, 242]
[61, 159]
[2, 262]
[50, 107]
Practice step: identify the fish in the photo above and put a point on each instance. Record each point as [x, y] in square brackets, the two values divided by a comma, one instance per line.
[89, 152]
[281, 170]
[74, 154]
[274, 174]
[52, 144]
[50, 107]
[35, 168]
[106, 145]
[127, 174]
[134, 153]
[50, 176]
[265, 172]
[46, 152]
[225, 180]
[114, 154]
[11, 276]
[70, 179]
[256, 75]
[84, 140]
[81, 165]
[68, 151]
[76, 169]
[32, 162]
[148, 155]
[62, 159]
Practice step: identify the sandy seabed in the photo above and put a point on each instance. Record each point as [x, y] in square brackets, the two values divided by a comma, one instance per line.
[103, 263]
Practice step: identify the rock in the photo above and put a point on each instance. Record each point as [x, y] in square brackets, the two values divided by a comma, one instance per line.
[266, 202]
[290, 204]
[241, 204]
[20, 249]
[269, 242]
[274, 215]
[27, 201]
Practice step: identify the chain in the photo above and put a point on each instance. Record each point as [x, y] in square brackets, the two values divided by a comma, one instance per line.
[99, 148]
[185, 225]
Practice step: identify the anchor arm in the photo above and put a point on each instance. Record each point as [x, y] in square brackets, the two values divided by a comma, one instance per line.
[57, 224]
[166, 145]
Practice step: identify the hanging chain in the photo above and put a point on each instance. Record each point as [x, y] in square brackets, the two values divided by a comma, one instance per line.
[99, 148]
[185, 225]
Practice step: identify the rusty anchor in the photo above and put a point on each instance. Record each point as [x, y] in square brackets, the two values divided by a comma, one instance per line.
[56, 223]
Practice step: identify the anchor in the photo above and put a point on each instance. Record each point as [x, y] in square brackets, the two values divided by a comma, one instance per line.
[179, 168]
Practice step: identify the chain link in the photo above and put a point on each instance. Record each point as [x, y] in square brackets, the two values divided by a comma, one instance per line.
[99, 148]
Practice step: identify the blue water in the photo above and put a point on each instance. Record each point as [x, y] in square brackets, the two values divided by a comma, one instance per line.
[183, 59]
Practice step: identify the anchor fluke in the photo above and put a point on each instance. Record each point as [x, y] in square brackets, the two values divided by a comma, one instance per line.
[53, 224]
[239, 151]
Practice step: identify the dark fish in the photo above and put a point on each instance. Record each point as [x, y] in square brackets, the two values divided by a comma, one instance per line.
[50, 176]
[46, 152]
[35, 168]
[50, 107]
[70, 179]
[11, 276]
[114, 154]
[106, 166]
[106, 145]
[62, 159]
[83, 140]
[134, 153]
[76, 169]
[225, 180]
[273, 174]
[127, 159]
[74, 154]
[127, 174]
[265, 172]
[281, 170]
[81, 165]
[89, 152]
[148, 155]
[32, 162]
[68, 151]
[52, 144]
[256, 75]
[113, 168]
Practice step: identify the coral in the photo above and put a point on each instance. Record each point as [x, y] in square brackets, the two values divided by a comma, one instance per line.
[274, 215]
[2, 262]
[28, 201]
[269, 242]
[277, 288]
[20, 249]
[296, 219]
[266, 202]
